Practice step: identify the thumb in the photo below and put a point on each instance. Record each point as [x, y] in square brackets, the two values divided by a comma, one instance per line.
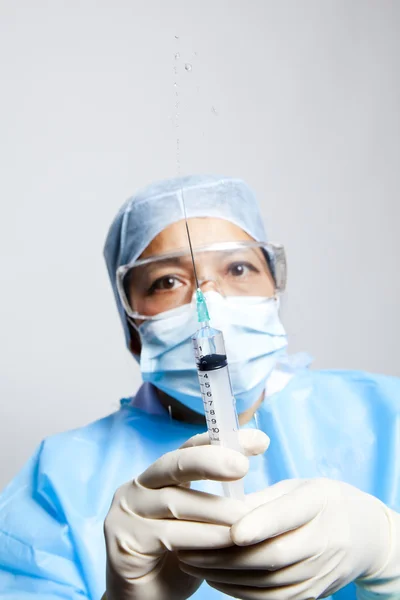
[252, 441]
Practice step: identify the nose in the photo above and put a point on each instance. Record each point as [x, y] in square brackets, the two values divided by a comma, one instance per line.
[209, 285]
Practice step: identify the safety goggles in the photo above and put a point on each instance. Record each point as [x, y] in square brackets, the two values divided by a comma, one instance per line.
[151, 286]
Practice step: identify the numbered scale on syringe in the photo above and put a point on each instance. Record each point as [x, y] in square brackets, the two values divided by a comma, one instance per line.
[209, 406]
[216, 389]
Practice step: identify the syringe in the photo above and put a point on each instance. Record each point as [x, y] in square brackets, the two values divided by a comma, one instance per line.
[215, 383]
[216, 389]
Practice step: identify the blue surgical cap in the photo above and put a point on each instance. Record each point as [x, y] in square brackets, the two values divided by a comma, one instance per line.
[155, 207]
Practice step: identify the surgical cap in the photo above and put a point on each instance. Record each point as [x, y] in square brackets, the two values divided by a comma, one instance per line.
[155, 207]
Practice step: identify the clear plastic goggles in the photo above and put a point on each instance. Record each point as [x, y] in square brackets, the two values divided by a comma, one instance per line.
[151, 286]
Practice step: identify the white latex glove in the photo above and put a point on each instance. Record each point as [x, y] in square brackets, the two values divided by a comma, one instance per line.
[305, 539]
[157, 514]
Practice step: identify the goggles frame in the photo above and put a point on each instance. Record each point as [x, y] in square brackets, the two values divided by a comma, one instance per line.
[276, 262]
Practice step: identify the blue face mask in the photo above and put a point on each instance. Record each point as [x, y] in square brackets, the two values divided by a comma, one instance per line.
[254, 338]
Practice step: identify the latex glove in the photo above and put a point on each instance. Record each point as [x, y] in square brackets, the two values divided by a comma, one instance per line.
[157, 514]
[305, 539]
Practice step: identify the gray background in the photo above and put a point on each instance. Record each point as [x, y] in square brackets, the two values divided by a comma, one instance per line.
[300, 98]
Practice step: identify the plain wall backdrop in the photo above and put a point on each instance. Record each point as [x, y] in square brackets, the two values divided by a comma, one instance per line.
[300, 98]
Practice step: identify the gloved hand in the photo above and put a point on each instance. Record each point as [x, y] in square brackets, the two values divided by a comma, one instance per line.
[303, 539]
[157, 514]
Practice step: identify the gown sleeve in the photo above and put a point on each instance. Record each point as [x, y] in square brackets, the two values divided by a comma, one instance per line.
[37, 555]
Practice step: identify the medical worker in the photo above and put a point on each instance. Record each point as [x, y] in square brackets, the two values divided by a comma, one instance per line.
[321, 513]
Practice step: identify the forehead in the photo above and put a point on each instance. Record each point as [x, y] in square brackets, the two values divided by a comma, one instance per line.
[203, 230]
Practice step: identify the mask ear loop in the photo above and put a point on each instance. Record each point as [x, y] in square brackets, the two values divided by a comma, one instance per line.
[132, 322]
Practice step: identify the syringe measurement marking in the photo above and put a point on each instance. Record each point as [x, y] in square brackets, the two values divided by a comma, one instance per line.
[214, 431]
[208, 403]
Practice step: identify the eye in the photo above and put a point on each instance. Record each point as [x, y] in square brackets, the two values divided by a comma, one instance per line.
[240, 269]
[165, 284]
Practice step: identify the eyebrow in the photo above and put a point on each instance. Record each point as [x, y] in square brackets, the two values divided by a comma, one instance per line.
[171, 261]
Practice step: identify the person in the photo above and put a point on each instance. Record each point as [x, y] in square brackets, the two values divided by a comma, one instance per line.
[320, 517]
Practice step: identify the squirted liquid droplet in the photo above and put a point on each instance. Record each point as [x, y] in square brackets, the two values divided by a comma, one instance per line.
[188, 67]
[177, 55]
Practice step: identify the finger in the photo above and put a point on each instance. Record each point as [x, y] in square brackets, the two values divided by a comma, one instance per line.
[177, 503]
[252, 441]
[195, 464]
[274, 554]
[237, 591]
[170, 535]
[200, 439]
[274, 491]
[251, 593]
[261, 578]
[316, 581]
[181, 535]
[126, 531]
[288, 512]
[306, 580]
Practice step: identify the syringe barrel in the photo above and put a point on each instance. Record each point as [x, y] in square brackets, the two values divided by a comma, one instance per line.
[218, 399]
[206, 341]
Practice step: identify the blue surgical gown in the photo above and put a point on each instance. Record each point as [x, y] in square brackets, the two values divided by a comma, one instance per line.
[341, 425]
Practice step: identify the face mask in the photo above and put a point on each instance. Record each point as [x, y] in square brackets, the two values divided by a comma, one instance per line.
[254, 339]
